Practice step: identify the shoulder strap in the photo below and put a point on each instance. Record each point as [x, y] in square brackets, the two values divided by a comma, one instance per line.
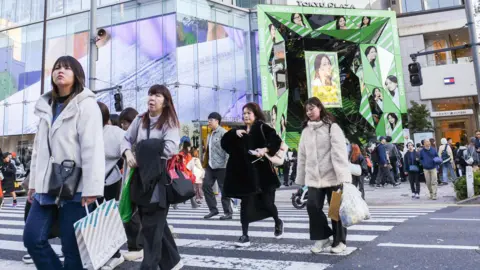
[263, 134]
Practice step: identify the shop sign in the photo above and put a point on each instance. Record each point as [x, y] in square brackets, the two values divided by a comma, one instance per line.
[324, 4]
[451, 113]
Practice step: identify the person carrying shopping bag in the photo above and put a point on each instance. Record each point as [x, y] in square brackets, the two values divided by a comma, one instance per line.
[250, 176]
[156, 135]
[323, 166]
[69, 137]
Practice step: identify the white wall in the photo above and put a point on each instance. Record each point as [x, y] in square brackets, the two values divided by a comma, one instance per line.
[431, 22]
[433, 86]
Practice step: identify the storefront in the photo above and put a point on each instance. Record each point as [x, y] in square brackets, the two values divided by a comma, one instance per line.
[455, 118]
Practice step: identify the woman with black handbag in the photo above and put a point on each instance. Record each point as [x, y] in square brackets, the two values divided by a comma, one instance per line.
[69, 139]
[412, 169]
[250, 176]
[156, 135]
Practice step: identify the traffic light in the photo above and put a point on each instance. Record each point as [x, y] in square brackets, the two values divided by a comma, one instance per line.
[415, 71]
[118, 101]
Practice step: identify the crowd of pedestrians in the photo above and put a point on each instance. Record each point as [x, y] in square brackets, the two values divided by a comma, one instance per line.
[78, 134]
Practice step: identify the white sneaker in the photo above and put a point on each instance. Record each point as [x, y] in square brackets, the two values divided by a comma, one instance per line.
[133, 255]
[178, 266]
[27, 259]
[339, 248]
[112, 263]
[320, 246]
[413, 195]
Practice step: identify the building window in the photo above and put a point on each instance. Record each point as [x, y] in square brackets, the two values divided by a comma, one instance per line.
[452, 104]
[441, 40]
[419, 5]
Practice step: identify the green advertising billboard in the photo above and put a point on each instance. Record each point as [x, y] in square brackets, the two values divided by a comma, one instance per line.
[339, 46]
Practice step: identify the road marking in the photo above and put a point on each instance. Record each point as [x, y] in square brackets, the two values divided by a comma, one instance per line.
[255, 247]
[17, 265]
[18, 246]
[12, 222]
[458, 219]
[428, 246]
[244, 263]
[7, 215]
[264, 224]
[286, 235]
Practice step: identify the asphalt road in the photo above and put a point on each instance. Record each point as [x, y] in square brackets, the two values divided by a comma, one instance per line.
[207, 244]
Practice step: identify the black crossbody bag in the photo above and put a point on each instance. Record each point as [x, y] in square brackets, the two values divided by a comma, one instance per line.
[64, 179]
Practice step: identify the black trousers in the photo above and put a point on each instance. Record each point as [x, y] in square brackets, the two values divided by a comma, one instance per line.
[358, 182]
[257, 207]
[374, 174]
[414, 179]
[212, 175]
[133, 230]
[159, 248]
[384, 175]
[319, 229]
[393, 161]
[286, 172]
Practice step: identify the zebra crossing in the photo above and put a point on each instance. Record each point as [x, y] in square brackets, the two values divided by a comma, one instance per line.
[208, 244]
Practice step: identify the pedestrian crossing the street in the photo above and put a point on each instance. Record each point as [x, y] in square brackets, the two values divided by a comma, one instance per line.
[208, 244]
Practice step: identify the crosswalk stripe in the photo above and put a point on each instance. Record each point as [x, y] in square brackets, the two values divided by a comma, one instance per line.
[8, 215]
[428, 246]
[18, 246]
[17, 265]
[286, 235]
[264, 224]
[245, 263]
[255, 247]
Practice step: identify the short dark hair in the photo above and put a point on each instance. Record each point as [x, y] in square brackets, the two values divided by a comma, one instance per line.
[115, 119]
[105, 112]
[257, 111]
[79, 77]
[448, 139]
[388, 139]
[128, 114]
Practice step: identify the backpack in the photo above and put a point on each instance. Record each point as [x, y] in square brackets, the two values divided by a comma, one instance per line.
[445, 155]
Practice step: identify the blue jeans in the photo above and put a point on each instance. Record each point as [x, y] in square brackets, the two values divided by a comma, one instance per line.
[446, 169]
[37, 229]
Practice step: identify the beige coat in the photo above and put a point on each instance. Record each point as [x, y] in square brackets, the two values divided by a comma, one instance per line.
[449, 151]
[322, 156]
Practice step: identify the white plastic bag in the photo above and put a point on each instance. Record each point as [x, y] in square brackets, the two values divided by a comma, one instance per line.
[353, 209]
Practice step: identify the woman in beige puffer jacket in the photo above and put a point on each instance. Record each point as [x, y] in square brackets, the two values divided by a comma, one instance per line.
[323, 167]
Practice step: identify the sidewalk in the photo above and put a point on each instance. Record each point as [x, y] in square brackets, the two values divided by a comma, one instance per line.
[389, 195]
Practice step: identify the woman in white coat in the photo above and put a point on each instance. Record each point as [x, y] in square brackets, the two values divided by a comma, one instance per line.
[70, 128]
[322, 166]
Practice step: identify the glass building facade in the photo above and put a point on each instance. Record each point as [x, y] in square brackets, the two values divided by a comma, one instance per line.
[203, 51]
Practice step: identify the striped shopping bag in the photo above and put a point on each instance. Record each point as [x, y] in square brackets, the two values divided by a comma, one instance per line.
[99, 235]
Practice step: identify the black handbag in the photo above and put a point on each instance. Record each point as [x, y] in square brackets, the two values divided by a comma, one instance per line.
[64, 179]
[180, 189]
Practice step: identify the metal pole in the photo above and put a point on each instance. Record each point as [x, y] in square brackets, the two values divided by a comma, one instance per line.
[93, 46]
[470, 11]
[44, 45]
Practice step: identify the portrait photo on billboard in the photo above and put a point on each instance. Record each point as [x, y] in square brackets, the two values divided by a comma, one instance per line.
[391, 85]
[392, 124]
[323, 77]
[278, 64]
[376, 104]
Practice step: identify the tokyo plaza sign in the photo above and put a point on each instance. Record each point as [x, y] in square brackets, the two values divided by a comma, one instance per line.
[347, 4]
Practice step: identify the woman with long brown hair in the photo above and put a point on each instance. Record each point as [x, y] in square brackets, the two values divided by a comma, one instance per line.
[323, 167]
[356, 157]
[249, 175]
[154, 131]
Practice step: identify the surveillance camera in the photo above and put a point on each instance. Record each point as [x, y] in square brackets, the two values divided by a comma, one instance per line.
[101, 33]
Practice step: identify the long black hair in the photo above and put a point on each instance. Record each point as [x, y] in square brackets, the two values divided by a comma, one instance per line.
[78, 73]
[325, 116]
[367, 51]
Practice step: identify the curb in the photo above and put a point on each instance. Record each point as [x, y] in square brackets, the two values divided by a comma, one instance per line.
[472, 200]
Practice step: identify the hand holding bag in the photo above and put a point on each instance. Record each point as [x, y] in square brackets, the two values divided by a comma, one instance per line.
[99, 235]
[279, 158]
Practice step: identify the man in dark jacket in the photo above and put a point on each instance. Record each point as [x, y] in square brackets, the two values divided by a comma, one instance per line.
[427, 155]
[384, 175]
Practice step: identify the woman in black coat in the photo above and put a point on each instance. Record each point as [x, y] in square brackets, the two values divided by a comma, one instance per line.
[250, 176]
[9, 176]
